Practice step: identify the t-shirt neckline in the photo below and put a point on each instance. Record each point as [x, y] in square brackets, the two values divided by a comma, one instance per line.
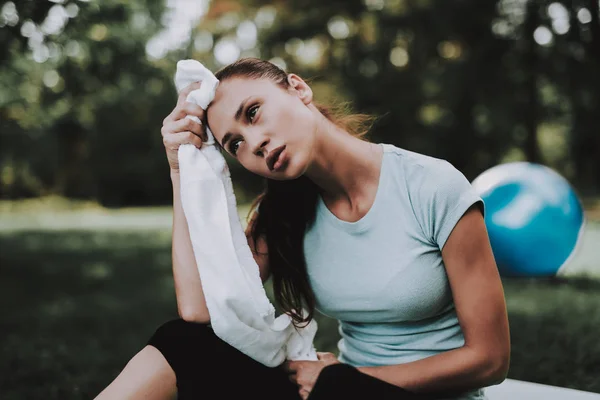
[365, 222]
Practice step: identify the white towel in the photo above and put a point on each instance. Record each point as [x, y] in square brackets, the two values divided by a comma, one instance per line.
[240, 311]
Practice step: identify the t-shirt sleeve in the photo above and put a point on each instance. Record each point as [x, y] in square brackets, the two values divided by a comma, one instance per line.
[443, 196]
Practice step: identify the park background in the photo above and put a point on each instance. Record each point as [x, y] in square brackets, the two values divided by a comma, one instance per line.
[85, 193]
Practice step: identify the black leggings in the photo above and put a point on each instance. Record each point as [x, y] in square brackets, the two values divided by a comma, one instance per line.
[203, 363]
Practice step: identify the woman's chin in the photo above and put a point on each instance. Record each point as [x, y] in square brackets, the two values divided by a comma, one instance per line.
[287, 171]
[284, 176]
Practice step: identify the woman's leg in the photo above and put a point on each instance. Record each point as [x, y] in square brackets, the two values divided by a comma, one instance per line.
[146, 376]
[346, 382]
[198, 362]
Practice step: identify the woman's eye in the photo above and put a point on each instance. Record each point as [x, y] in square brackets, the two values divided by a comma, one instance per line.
[252, 112]
[232, 146]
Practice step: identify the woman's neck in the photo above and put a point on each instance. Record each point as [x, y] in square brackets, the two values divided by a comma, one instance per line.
[345, 168]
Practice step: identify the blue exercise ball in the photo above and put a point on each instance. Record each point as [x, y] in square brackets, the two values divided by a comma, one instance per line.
[533, 216]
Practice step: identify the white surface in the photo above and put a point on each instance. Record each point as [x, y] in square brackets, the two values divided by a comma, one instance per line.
[519, 390]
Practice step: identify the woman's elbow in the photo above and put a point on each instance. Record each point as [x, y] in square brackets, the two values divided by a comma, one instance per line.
[497, 368]
[194, 314]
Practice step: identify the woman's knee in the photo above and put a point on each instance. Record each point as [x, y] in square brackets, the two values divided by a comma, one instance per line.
[180, 333]
[183, 343]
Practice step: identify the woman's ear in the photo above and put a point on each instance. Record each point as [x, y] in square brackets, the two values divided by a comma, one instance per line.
[301, 88]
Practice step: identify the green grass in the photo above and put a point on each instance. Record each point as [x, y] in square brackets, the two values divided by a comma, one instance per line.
[554, 331]
[78, 304]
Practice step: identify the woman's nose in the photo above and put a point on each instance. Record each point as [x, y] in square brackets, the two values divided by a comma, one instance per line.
[260, 146]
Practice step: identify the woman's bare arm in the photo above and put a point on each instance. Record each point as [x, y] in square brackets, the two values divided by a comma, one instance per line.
[481, 309]
[191, 304]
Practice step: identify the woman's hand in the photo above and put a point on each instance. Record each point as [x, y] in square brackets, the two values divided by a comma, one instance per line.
[305, 373]
[178, 130]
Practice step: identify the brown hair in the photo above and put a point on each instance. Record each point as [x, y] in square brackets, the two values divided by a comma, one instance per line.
[287, 208]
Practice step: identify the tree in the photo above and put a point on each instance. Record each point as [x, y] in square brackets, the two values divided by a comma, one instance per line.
[80, 107]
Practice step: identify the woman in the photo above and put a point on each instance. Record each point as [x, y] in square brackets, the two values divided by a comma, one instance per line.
[390, 242]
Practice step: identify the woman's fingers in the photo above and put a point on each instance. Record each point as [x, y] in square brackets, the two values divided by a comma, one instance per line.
[303, 393]
[178, 130]
[187, 90]
[327, 357]
[173, 141]
[184, 109]
[184, 125]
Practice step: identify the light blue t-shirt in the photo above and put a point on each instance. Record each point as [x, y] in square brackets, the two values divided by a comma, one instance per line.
[383, 276]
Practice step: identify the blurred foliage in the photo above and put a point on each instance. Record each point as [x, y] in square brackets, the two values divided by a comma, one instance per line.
[81, 106]
[477, 83]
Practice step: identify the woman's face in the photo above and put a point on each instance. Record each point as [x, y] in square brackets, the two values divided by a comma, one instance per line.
[253, 118]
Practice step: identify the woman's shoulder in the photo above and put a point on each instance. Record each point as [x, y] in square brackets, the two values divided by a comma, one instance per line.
[414, 164]
[438, 192]
[425, 177]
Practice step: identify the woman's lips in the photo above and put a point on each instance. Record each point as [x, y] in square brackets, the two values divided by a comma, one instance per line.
[281, 160]
[273, 156]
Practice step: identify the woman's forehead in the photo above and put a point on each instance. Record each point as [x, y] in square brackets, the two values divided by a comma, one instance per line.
[222, 109]
[234, 90]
